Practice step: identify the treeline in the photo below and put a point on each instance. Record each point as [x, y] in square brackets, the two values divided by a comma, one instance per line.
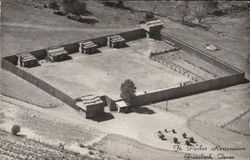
[74, 7]
[200, 9]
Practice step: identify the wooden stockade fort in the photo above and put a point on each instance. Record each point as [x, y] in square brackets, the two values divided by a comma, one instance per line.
[93, 105]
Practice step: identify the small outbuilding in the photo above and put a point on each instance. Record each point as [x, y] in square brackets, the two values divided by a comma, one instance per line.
[92, 105]
[152, 27]
[56, 54]
[121, 106]
[116, 41]
[26, 60]
[87, 47]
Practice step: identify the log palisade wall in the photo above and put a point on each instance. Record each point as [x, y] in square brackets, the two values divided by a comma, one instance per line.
[5, 64]
[237, 77]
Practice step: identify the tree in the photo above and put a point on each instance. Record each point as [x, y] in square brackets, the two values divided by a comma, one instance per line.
[200, 10]
[183, 9]
[121, 3]
[74, 7]
[53, 5]
[15, 129]
[128, 90]
[113, 3]
[149, 16]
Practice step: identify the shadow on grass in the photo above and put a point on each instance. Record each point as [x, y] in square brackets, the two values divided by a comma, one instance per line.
[21, 135]
[103, 117]
[143, 110]
[117, 5]
[88, 20]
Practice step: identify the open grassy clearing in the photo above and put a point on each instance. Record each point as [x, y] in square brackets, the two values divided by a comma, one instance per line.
[222, 137]
[13, 40]
[15, 147]
[241, 124]
[116, 145]
[233, 42]
[234, 51]
[215, 107]
[104, 16]
[46, 125]
[97, 74]
[10, 86]
[65, 126]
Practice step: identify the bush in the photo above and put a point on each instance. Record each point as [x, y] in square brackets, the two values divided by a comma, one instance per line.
[175, 140]
[74, 7]
[101, 151]
[53, 5]
[184, 135]
[192, 139]
[174, 131]
[161, 136]
[188, 143]
[81, 145]
[91, 152]
[149, 16]
[15, 129]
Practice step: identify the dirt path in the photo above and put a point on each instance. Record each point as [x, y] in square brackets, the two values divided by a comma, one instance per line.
[46, 27]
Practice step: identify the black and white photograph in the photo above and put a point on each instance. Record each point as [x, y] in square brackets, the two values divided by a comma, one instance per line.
[125, 80]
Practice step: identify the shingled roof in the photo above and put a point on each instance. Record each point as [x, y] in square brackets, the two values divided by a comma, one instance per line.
[154, 23]
[88, 44]
[26, 56]
[117, 38]
[55, 51]
[90, 99]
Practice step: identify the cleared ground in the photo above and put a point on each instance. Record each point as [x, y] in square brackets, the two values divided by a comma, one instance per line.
[67, 126]
[103, 73]
[10, 86]
[234, 51]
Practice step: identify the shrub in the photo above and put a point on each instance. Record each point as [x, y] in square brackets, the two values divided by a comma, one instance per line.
[15, 129]
[81, 145]
[192, 139]
[90, 147]
[174, 131]
[91, 152]
[74, 7]
[184, 135]
[161, 136]
[101, 151]
[149, 16]
[188, 143]
[175, 140]
[53, 5]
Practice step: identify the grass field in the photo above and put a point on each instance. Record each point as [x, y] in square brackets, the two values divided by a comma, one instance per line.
[222, 108]
[97, 74]
[10, 86]
[38, 125]
[228, 139]
[15, 147]
[27, 28]
[19, 21]
[136, 151]
[229, 32]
